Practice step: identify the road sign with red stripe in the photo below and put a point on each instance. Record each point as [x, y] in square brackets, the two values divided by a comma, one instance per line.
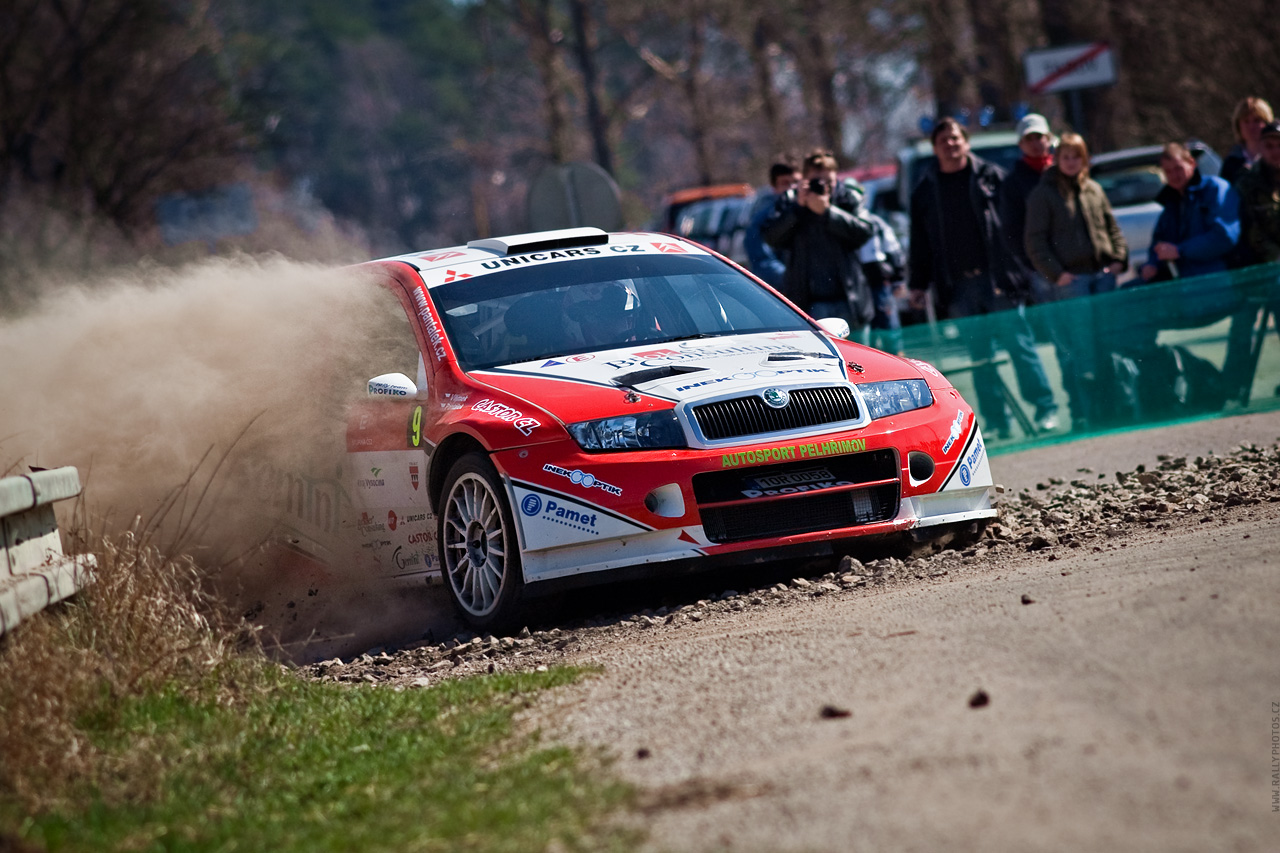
[1079, 66]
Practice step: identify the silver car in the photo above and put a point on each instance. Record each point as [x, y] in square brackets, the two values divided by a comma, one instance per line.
[1132, 179]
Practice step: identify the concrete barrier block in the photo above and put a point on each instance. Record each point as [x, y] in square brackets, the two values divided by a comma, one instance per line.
[34, 572]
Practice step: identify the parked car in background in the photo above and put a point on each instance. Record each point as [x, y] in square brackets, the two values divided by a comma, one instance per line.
[674, 204]
[1132, 179]
[994, 146]
[719, 224]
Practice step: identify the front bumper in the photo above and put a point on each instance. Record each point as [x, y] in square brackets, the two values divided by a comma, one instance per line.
[580, 513]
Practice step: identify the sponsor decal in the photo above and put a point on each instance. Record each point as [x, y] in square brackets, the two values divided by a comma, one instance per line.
[582, 478]
[368, 525]
[428, 319]
[759, 374]
[391, 519]
[454, 275]
[413, 476]
[794, 490]
[360, 442]
[790, 478]
[373, 482]
[926, 367]
[659, 357]
[791, 483]
[385, 390]
[551, 362]
[553, 510]
[834, 447]
[970, 463]
[420, 538]
[670, 248]
[404, 562]
[538, 257]
[441, 256]
[586, 356]
[512, 416]
[956, 426]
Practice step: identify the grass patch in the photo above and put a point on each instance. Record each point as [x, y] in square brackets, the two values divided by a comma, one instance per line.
[314, 766]
[135, 717]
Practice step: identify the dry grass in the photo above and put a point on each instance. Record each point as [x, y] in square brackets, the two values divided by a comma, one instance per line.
[144, 626]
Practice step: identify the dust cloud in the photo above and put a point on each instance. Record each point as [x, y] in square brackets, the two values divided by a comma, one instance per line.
[170, 388]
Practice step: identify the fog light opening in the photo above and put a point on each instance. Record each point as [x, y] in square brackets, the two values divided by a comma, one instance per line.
[920, 466]
[666, 501]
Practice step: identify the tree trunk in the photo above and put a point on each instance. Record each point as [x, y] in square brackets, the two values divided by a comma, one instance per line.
[535, 20]
[597, 121]
[951, 56]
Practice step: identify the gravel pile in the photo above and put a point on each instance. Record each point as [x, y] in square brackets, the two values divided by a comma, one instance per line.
[1057, 515]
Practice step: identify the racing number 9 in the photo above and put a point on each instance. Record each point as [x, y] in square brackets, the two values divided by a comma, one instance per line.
[415, 427]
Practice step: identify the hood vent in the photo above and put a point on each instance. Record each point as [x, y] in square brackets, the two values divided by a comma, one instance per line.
[639, 377]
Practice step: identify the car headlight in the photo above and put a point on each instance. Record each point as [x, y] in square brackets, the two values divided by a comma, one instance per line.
[628, 432]
[895, 397]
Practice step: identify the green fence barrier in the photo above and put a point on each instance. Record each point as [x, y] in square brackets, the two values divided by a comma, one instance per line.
[1140, 355]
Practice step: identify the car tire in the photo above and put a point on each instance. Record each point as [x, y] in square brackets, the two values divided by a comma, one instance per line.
[479, 550]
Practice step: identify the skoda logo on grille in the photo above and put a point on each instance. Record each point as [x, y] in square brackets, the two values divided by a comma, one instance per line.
[776, 398]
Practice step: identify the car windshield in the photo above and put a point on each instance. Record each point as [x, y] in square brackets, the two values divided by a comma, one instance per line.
[1131, 183]
[579, 306]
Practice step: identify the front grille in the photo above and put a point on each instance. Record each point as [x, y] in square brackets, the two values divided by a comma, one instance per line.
[798, 497]
[801, 515]
[743, 416]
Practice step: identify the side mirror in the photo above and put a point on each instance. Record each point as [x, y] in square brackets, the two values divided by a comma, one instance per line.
[395, 385]
[835, 326]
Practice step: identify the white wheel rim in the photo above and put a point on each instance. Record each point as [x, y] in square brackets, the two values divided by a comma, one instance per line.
[475, 545]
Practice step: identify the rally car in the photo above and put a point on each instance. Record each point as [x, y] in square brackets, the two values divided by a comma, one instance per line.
[589, 405]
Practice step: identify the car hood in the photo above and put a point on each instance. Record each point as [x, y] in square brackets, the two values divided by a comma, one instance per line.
[589, 385]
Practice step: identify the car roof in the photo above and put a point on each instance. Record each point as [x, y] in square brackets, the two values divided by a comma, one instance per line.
[1145, 153]
[441, 266]
[980, 140]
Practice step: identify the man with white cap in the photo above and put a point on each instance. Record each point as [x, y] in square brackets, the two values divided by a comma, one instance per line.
[1036, 143]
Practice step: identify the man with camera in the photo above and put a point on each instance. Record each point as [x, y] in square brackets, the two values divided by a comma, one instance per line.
[817, 225]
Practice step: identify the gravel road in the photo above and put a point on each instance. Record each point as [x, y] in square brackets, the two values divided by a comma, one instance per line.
[1098, 673]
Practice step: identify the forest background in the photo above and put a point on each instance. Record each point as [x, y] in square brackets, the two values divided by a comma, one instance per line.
[362, 128]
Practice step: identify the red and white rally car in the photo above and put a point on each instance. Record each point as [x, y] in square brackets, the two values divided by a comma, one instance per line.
[587, 403]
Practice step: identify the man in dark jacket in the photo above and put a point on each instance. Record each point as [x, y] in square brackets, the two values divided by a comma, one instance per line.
[1036, 143]
[960, 250]
[818, 225]
[761, 258]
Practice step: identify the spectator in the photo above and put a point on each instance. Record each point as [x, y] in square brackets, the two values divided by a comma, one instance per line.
[1074, 241]
[819, 225]
[884, 266]
[1259, 189]
[1036, 143]
[1247, 121]
[960, 249]
[1196, 234]
[1199, 225]
[784, 175]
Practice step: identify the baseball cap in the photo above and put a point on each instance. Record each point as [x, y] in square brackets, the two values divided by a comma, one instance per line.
[1271, 128]
[1033, 123]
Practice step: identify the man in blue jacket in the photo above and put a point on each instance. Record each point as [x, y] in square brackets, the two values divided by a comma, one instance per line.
[784, 176]
[1199, 225]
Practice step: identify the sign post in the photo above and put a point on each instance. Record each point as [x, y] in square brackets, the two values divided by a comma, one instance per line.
[1069, 69]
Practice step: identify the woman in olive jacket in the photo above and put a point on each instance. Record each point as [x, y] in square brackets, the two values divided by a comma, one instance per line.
[1074, 241]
